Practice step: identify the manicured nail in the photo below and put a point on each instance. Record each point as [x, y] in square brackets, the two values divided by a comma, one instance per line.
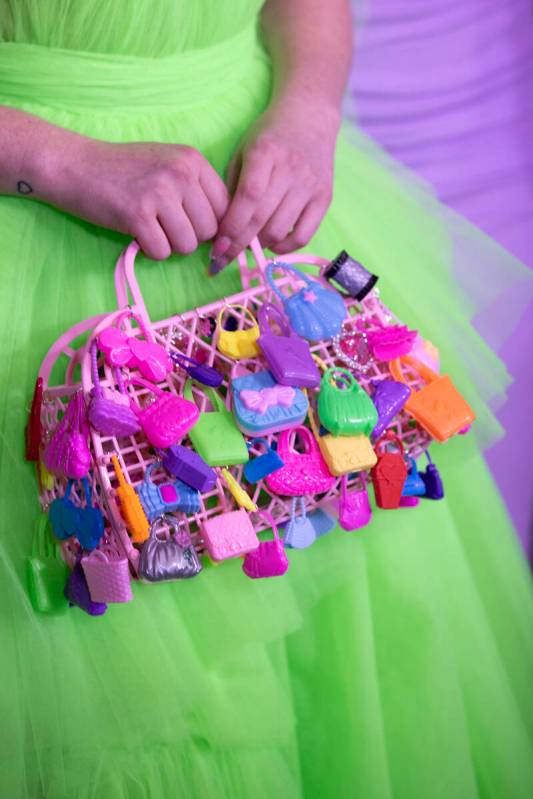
[217, 265]
[220, 246]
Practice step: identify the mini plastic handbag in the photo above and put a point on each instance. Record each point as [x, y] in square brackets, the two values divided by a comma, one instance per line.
[434, 488]
[188, 466]
[77, 592]
[288, 356]
[68, 519]
[343, 454]
[354, 506]
[167, 419]
[46, 572]
[414, 485]
[201, 372]
[215, 436]
[150, 358]
[389, 473]
[130, 506]
[67, 452]
[269, 558]
[238, 344]
[229, 535]
[344, 408]
[168, 497]
[390, 342]
[262, 465]
[438, 406]
[262, 406]
[108, 413]
[172, 557]
[315, 312]
[299, 532]
[107, 575]
[303, 473]
[389, 397]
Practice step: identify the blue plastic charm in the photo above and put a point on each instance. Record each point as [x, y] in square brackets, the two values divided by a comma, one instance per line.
[64, 515]
[323, 523]
[258, 468]
[166, 497]
[299, 531]
[263, 406]
[315, 312]
[414, 485]
[91, 524]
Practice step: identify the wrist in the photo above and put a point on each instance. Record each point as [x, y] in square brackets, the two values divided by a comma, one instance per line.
[303, 104]
[54, 166]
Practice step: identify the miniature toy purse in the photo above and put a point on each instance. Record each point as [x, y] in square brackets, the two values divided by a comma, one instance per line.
[172, 558]
[354, 507]
[344, 408]
[110, 415]
[269, 559]
[166, 497]
[288, 356]
[389, 397]
[201, 372]
[414, 485]
[259, 467]
[322, 521]
[303, 473]
[151, 359]
[315, 313]
[130, 506]
[33, 433]
[262, 406]
[229, 535]
[299, 533]
[64, 515]
[388, 343]
[432, 480]
[77, 592]
[389, 473]
[167, 419]
[438, 407]
[46, 572]
[107, 575]
[67, 453]
[188, 466]
[343, 454]
[215, 436]
[238, 344]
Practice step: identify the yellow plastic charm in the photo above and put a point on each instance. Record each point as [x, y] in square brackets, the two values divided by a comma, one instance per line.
[45, 478]
[130, 507]
[238, 344]
[237, 492]
[344, 454]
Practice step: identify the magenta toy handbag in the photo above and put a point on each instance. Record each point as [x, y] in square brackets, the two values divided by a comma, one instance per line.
[354, 507]
[303, 473]
[67, 453]
[167, 419]
[288, 356]
[269, 559]
[229, 535]
[109, 412]
[151, 359]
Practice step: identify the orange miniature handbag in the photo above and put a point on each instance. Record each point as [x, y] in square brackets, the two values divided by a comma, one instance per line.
[130, 507]
[438, 407]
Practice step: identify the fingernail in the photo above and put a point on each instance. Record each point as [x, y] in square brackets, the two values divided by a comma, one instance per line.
[217, 265]
[220, 246]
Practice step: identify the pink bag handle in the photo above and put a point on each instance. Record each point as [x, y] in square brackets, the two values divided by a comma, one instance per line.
[142, 382]
[270, 519]
[62, 347]
[269, 313]
[344, 485]
[286, 435]
[98, 393]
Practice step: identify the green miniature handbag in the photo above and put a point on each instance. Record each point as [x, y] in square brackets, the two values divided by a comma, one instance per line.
[344, 408]
[215, 436]
[46, 572]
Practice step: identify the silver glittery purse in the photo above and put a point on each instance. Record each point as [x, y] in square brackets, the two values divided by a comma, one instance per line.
[172, 557]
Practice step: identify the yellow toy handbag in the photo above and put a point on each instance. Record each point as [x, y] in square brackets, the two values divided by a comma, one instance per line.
[438, 407]
[238, 344]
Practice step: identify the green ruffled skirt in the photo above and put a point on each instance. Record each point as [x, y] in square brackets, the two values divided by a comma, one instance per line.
[391, 662]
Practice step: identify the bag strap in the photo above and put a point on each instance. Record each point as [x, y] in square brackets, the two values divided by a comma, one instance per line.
[303, 432]
[219, 406]
[270, 519]
[328, 378]
[389, 437]
[247, 312]
[286, 267]
[62, 347]
[268, 312]
[87, 492]
[424, 371]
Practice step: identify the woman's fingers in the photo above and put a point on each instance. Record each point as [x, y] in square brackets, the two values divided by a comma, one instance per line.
[284, 218]
[152, 238]
[304, 228]
[179, 231]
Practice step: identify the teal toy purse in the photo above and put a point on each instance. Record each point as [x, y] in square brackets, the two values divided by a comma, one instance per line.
[344, 408]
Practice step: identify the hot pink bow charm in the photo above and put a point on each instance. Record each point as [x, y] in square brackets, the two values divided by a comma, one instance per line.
[151, 359]
[260, 401]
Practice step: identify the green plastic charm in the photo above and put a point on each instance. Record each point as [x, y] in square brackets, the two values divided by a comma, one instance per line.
[344, 408]
[215, 436]
[46, 572]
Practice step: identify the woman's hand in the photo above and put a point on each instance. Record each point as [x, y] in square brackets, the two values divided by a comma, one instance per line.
[281, 178]
[167, 196]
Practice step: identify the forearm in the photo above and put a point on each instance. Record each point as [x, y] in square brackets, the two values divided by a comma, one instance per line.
[34, 155]
[310, 42]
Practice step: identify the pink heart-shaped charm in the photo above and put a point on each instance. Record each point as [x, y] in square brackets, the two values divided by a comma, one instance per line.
[115, 345]
[152, 360]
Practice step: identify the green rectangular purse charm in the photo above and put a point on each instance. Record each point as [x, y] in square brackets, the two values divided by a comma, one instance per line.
[215, 436]
[46, 571]
[344, 408]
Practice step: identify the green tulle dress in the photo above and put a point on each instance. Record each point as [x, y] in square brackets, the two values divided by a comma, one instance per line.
[393, 662]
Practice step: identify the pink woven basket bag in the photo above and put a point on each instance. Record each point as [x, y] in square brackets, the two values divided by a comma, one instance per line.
[183, 336]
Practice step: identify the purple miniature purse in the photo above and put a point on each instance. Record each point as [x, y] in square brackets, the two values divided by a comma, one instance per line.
[354, 507]
[269, 559]
[77, 592]
[389, 397]
[188, 466]
[110, 415]
[288, 356]
[67, 453]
